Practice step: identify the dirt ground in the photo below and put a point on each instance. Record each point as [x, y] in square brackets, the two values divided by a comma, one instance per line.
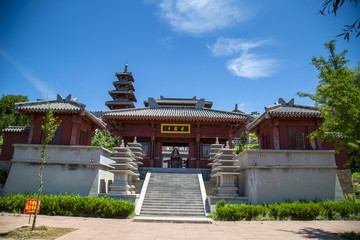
[41, 232]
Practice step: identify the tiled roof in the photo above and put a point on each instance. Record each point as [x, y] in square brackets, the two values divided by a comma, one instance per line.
[59, 104]
[16, 129]
[62, 105]
[175, 112]
[295, 109]
[286, 109]
[179, 101]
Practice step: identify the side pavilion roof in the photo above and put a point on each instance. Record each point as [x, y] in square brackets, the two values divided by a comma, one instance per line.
[61, 105]
[285, 110]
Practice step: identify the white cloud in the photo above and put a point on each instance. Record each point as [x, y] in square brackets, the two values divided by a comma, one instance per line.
[36, 82]
[200, 16]
[247, 65]
[230, 46]
[252, 66]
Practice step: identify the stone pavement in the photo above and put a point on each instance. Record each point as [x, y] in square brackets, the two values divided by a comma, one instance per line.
[100, 228]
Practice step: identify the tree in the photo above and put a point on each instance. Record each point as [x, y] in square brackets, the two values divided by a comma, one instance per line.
[247, 141]
[48, 131]
[331, 7]
[7, 112]
[338, 98]
[104, 139]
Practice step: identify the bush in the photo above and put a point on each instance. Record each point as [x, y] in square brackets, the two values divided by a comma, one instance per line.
[70, 205]
[299, 210]
[356, 175]
[3, 176]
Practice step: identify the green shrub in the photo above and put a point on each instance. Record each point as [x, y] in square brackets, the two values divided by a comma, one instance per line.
[3, 176]
[70, 205]
[299, 210]
[356, 175]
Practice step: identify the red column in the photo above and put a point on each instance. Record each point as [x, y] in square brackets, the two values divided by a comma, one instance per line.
[31, 131]
[276, 134]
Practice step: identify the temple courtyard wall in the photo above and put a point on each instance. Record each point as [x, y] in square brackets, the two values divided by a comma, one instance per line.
[268, 176]
[265, 176]
[68, 169]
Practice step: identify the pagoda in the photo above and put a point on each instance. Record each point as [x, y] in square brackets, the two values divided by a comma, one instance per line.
[123, 95]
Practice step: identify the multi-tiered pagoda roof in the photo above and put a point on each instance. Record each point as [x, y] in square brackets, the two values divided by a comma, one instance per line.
[123, 96]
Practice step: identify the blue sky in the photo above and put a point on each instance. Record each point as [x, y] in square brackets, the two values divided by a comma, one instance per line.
[230, 52]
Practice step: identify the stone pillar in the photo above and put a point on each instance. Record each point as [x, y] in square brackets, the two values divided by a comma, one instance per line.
[214, 149]
[136, 149]
[123, 171]
[225, 172]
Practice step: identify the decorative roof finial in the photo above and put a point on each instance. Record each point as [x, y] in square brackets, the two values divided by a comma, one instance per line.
[122, 143]
[227, 144]
[135, 140]
[217, 140]
[126, 66]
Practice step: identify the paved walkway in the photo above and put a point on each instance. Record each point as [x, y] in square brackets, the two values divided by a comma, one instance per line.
[99, 228]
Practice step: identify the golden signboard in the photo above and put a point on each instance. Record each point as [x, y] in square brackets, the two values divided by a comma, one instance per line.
[175, 128]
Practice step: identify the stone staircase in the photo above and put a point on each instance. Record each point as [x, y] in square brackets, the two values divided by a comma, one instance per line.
[175, 194]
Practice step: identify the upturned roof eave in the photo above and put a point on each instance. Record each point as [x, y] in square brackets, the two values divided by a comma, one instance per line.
[97, 122]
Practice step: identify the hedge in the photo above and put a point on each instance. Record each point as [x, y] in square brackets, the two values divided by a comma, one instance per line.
[70, 205]
[300, 210]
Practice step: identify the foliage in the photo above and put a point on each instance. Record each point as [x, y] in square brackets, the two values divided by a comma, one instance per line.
[70, 205]
[104, 139]
[332, 6]
[48, 128]
[338, 98]
[7, 113]
[3, 176]
[356, 175]
[350, 235]
[250, 141]
[299, 210]
[354, 159]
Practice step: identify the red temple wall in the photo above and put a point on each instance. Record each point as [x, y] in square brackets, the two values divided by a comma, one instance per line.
[7, 150]
[308, 125]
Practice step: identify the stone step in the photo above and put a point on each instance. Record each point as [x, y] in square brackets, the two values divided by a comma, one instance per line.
[191, 194]
[173, 194]
[172, 190]
[172, 213]
[176, 204]
[171, 199]
[172, 208]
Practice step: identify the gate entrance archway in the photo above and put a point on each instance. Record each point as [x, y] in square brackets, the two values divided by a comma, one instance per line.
[175, 155]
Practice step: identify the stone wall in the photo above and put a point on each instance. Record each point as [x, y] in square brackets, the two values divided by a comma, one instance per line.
[345, 179]
[268, 176]
[68, 169]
